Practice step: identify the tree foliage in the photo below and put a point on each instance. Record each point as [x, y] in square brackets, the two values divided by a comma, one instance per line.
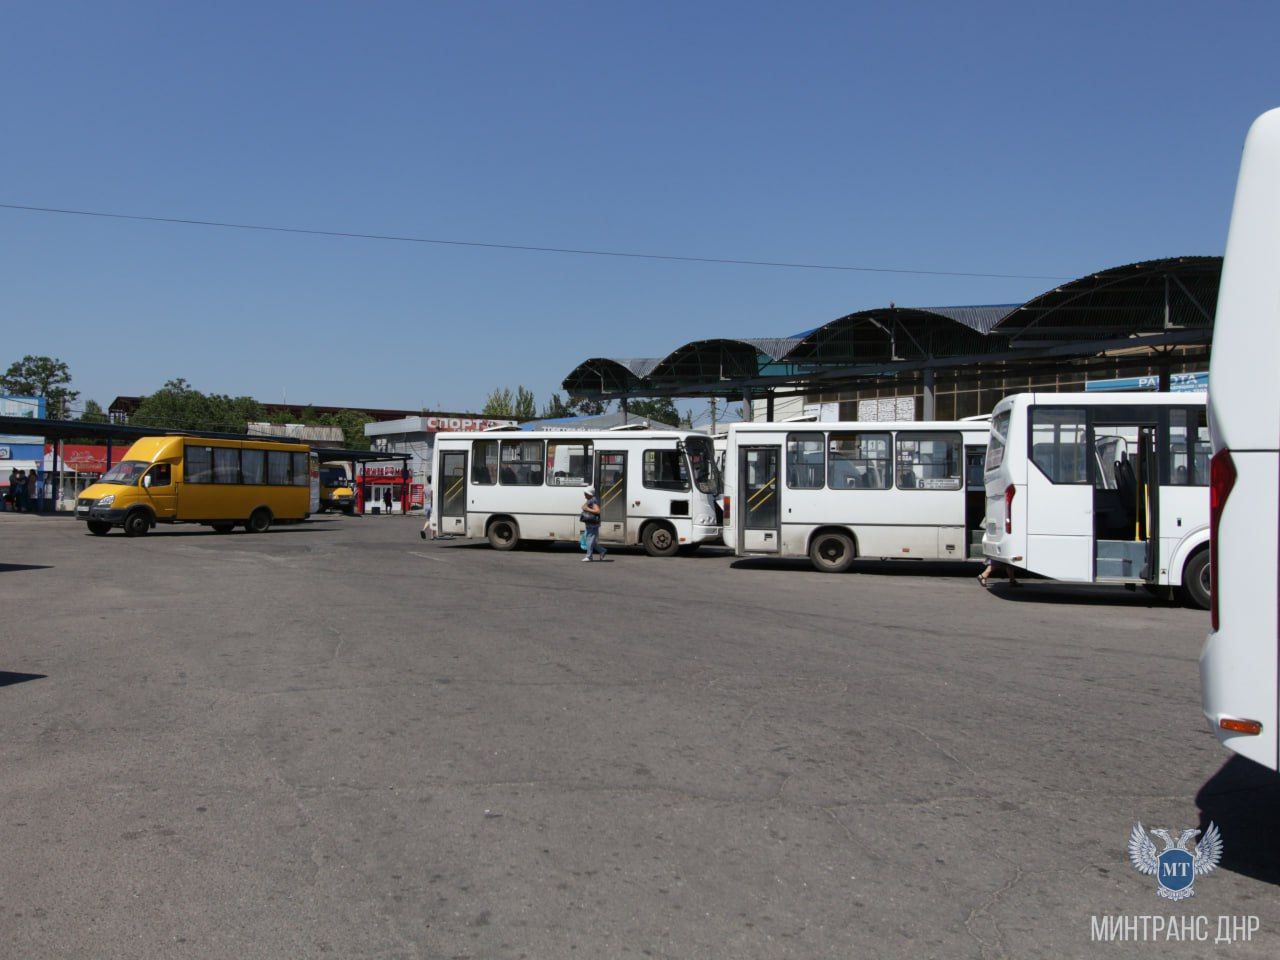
[555, 408]
[662, 409]
[179, 406]
[525, 406]
[46, 377]
[93, 412]
[517, 405]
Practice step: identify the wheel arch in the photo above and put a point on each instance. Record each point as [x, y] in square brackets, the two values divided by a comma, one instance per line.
[832, 528]
[1191, 544]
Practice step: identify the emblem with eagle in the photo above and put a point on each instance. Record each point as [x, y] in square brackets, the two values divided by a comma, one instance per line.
[1175, 867]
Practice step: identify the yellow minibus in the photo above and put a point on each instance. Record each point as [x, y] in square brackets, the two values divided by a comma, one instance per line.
[218, 483]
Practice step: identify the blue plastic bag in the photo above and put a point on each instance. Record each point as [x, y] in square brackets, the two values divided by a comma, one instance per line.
[582, 542]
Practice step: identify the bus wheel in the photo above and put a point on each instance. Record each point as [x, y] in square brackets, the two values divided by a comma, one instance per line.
[259, 521]
[503, 535]
[137, 523]
[660, 540]
[831, 552]
[222, 527]
[1195, 581]
[99, 528]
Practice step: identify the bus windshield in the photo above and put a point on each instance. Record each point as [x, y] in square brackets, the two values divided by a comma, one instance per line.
[125, 473]
[702, 464]
[333, 476]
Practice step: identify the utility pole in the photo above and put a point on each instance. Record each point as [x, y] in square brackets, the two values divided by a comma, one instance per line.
[713, 416]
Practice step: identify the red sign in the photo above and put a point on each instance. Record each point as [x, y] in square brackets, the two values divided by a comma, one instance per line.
[83, 458]
[436, 424]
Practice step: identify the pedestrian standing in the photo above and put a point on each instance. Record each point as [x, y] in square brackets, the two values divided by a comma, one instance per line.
[591, 520]
[39, 493]
[32, 501]
[426, 510]
[19, 486]
[386, 499]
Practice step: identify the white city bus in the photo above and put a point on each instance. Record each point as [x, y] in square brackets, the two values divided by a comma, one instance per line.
[1101, 488]
[656, 488]
[837, 491]
[1241, 658]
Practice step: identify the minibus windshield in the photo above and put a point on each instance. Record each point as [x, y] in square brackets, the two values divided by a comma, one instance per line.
[702, 464]
[125, 473]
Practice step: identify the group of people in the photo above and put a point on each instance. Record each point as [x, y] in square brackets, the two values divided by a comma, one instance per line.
[25, 490]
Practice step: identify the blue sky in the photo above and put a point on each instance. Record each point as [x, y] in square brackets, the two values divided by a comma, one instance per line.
[1006, 138]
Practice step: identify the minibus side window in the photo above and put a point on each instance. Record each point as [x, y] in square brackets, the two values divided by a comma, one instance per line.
[1189, 448]
[199, 464]
[521, 463]
[806, 461]
[569, 463]
[278, 468]
[301, 470]
[226, 465]
[859, 461]
[665, 470]
[484, 462]
[929, 461]
[1058, 437]
[251, 464]
[159, 475]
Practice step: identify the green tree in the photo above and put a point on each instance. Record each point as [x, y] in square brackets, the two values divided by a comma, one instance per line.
[586, 407]
[499, 403]
[179, 406]
[93, 412]
[46, 377]
[556, 408]
[662, 409]
[352, 424]
[526, 408]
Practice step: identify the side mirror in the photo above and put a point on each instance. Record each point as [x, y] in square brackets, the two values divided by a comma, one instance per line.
[146, 480]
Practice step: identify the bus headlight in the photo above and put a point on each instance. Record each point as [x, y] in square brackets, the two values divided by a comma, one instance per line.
[106, 501]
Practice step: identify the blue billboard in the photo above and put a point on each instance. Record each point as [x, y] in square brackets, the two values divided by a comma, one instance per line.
[1178, 383]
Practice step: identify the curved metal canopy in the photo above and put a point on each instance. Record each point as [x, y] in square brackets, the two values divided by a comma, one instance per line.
[1152, 296]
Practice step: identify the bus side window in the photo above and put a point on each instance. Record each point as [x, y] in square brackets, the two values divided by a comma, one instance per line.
[160, 475]
[1058, 443]
[1189, 448]
[484, 462]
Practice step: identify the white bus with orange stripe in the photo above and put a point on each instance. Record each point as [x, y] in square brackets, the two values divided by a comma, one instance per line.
[657, 489]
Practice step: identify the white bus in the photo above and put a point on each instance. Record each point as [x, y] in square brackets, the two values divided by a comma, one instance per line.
[836, 491]
[1241, 658]
[656, 488]
[1101, 488]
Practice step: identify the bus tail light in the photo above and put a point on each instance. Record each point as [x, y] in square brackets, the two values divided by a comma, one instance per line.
[1008, 508]
[728, 511]
[1248, 727]
[1222, 478]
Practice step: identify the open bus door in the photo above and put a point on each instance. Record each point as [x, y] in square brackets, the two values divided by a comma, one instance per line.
[1126, 496]
[611, 487]
[758, 482]
[452, 484]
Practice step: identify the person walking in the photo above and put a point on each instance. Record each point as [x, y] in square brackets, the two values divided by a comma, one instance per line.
[591, 520]
[426, 511]
[386, 500]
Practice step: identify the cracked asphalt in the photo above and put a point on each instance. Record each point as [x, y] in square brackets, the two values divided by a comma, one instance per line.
[338, 740]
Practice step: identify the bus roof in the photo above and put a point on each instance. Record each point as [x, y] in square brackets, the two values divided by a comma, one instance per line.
[619, 435]
[783, 426]
[1133, 398]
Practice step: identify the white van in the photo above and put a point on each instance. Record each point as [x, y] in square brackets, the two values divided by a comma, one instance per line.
[1238, 668]
[1101, 488]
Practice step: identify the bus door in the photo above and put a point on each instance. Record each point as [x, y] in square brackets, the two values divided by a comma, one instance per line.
[452, 486]
[975, 499]
[611, 485]
[1126, 492]
[758, 481]
[1059, 506]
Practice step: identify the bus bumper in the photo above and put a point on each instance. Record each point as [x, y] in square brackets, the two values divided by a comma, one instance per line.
[1230, 690]
[100, 514]
[704, 534]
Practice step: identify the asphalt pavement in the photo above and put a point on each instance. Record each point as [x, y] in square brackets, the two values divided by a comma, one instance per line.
[336, 739]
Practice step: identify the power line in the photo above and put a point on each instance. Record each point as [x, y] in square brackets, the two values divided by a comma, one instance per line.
[489, 245]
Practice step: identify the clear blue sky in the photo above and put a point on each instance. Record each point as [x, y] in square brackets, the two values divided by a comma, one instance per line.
[1009, 138]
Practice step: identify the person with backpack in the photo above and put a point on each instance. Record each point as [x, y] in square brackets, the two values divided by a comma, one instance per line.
[591, 520]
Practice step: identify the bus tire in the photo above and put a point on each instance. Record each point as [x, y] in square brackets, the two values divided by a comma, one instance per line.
[222, 527]
[259, 521]
[137, 523]
[503, 534]
[99, 528]
[1195, 580]
[660, 540]
[831, 551]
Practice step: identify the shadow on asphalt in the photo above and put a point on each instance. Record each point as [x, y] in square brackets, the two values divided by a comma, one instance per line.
[875, 568]
[15, 567]
[8, 679]
[571, 546]
[207, 532]
[1242, 799]
[1047, 591]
